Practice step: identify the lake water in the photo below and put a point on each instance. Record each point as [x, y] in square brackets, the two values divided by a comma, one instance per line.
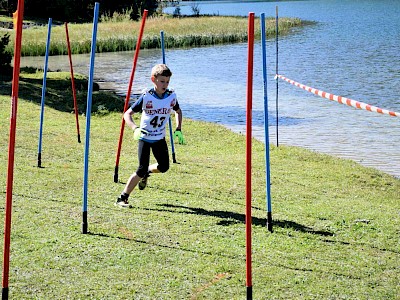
[352, 51]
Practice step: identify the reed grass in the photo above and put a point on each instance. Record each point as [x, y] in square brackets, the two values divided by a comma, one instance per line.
[115, 36]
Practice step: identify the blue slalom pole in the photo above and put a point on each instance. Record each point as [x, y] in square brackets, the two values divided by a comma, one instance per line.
[169, 121]
[46, 61]
[88, 115]
[267, 158]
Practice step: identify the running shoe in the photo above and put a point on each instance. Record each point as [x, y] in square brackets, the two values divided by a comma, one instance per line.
[122, 203]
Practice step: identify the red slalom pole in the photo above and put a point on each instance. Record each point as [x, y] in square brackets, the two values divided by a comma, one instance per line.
[11, 149]
[250, 51]
[128, 94]
[73, 83]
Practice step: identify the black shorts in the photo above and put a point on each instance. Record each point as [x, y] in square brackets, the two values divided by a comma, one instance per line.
[160, 152]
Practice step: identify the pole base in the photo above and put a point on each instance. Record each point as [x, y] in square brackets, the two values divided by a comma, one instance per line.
[269, 221]
[173, 158]
[4, 293]
[116, 174]
[84, 222]
[39, 160]
[249, 292]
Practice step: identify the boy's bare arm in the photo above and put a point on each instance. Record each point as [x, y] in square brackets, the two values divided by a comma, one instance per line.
[178, 119]
[129, 120]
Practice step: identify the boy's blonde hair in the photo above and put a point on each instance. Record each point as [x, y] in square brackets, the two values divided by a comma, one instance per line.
[161, 70]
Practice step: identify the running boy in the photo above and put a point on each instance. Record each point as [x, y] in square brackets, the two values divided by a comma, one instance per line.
[156, 105]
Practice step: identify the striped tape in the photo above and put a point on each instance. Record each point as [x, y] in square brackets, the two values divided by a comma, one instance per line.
[340, 99]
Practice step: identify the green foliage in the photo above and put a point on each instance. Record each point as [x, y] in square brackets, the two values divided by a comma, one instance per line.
[123, 16]
[5, 57]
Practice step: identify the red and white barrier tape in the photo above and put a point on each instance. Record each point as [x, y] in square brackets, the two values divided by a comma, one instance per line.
[340, 99]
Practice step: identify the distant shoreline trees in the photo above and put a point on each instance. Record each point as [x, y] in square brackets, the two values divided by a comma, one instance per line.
[79, 10]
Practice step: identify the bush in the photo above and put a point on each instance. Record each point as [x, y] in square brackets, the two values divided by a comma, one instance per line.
[5, 58]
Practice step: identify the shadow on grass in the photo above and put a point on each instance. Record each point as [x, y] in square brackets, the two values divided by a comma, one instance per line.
[184, 193]
[228, 218]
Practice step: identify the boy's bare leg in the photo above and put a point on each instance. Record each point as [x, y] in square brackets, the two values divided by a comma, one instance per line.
[122, 200]
[132, 182]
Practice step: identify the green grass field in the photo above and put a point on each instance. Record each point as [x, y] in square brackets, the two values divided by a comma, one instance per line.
[336, 223]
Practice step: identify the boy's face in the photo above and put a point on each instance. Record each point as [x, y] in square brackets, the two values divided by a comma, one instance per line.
[160, 83]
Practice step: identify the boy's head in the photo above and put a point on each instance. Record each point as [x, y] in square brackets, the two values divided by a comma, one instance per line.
[161, 70]
[160, 75]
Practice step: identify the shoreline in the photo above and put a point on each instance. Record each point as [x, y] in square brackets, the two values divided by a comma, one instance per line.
[347, 153]
[180, 33]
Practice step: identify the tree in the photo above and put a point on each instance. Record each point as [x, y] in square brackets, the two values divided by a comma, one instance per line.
[8, 6]
[81, 10]
[120, 6]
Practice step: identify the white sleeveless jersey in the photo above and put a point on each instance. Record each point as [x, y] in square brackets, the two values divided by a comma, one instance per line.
[155, 113]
